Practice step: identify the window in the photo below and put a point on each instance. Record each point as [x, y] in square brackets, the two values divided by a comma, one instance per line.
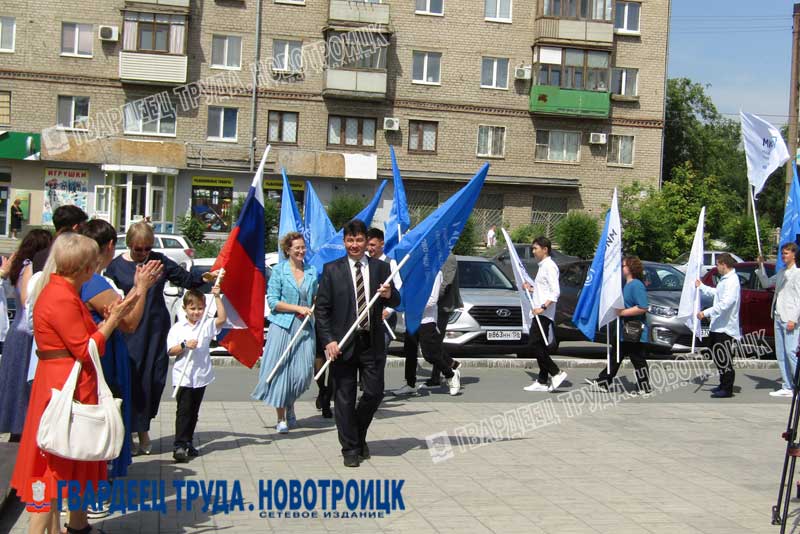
[5, 107]
[76, 39]
[282, 127]
[491, 141]
[351, 131]
[620, 149]
[287, 56]
[499, 10]
[73, 111]
[494, 73]
[627, 19]
[149, 116]
[422, 136]
[578, 9]
[222, 123]
[553, 145]
[154, 33]
[573, 68]
[226, 51]
[623, 81]
[168, 242]
[352, 50]
[430, 7]
[427, 67]
[8, 28]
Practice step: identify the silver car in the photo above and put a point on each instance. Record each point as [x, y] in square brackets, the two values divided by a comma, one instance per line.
[174, 246]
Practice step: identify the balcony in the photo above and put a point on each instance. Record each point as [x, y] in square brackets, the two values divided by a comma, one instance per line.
[162, 69]
[166, 3]
[566, 31]
[358, 12]
[355, 84]
[551, 100]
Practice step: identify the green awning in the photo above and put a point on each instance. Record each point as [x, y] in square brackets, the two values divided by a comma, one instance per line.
[19, 145]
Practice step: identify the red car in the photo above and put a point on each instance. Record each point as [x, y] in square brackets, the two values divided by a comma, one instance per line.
[756, 300]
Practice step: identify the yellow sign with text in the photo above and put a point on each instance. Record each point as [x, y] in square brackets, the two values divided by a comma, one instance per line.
[212, 181]
[278, 184]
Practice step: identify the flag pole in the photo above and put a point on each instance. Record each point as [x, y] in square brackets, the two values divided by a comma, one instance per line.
[389, 329]
[363, 314]
[206, 316]
[290, 345]
[618, 343]
[755, 221]
[399, 231]
[608, 349]
[538, 321]
[694, 325]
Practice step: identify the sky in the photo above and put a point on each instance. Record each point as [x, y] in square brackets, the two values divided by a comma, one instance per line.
[741, 48]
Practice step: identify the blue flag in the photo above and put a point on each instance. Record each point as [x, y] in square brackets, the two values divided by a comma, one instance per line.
[429, 244]
[333, 248]
[587, 309]
[290, 215]
[399, 219]
[317, 226]
[791, 218]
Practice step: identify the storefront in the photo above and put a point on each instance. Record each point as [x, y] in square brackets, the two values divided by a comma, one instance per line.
[132, 193]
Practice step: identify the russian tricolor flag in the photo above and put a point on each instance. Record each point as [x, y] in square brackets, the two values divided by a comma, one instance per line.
[244, 283]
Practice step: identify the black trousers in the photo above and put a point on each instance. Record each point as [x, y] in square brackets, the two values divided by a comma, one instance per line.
[720, 350]
[431, 342]
[634, 351]
[189, 400]
[410, 353]
[547, 367]
[353, 419]
[441, 324]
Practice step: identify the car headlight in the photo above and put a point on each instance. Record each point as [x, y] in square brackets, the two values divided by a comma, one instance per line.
[454, 316]
[663, 311]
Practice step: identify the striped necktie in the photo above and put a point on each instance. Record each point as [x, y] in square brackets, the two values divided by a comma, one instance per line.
[361, 297]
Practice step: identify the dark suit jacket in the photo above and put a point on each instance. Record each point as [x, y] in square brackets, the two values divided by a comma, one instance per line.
[336, 307]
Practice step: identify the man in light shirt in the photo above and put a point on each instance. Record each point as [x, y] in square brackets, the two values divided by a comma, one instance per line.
[545, 294]
[724, 317]
[491, 236]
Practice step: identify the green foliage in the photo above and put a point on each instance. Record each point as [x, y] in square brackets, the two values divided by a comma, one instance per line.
[739, 234]
[343, 208]
[272, 214]
[577, 234]
[527, 233]
[208, 249]
[468, 240]
[192, 229]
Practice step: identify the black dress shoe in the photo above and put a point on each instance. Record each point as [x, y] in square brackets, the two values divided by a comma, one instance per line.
[716, 389]
[364, 454]
[351, 461]
[721, 394]
[326, 412]
[319, 403]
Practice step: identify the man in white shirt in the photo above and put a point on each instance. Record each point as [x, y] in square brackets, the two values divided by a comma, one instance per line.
[375, 241]
[491, 236]
[545, 295]
[724, 317]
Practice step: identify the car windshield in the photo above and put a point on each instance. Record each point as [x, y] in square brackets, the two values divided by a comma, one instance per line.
[660, 277]
[481, 275]
[683, 258]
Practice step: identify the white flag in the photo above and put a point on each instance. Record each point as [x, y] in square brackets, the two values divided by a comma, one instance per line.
[520, 277]
[764, 149]
[611, 292]
[690, 297]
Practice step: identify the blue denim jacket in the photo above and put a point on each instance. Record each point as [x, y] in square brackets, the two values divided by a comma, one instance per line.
[283, 288]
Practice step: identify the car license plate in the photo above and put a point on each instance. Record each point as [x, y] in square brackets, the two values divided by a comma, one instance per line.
[503, 335]
[704, 332]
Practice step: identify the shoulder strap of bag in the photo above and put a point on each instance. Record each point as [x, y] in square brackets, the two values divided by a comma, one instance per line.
[103, 391]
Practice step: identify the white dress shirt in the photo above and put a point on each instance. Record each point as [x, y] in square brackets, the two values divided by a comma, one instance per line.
[431, 313]
[724, 313]
[546, 287]
[398, 283]
[364, 274]
[200, 372]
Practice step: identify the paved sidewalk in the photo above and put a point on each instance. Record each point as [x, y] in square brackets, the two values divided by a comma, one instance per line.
[637, 467]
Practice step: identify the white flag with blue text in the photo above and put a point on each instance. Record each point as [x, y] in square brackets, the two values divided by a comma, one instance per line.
[764, 149]
[690, 299]
[611, 292]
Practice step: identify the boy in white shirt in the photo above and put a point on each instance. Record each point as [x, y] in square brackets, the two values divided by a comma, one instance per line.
[192, 336]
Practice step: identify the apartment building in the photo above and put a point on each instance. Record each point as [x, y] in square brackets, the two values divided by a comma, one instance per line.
[156, 107]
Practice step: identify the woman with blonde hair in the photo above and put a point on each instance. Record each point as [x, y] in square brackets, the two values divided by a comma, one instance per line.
[63, 327]
[147, 345]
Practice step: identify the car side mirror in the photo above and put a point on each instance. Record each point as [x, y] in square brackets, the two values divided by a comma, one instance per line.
[172, 291]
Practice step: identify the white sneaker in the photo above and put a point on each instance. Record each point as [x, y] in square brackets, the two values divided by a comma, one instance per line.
[455, 382]
[406, 390]
[557, 380]
[783, 392]
[536, 386]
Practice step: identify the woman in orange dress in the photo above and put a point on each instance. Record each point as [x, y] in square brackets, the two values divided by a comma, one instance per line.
[62, 327]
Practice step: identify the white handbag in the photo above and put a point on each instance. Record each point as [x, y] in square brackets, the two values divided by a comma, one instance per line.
[86, 432]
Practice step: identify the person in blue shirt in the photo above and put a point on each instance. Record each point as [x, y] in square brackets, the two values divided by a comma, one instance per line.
[634, 295]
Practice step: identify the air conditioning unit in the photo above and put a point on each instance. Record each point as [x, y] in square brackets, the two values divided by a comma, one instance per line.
[596, 138]
[522, 73]
[108, 33]
[391, 123]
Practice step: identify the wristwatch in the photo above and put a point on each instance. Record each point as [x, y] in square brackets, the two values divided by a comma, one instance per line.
[543, 306]
[183, 345]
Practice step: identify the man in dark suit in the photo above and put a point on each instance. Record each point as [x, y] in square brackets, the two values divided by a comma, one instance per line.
[345, 289]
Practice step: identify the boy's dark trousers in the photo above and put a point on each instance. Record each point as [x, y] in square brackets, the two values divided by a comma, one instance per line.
[189, 400]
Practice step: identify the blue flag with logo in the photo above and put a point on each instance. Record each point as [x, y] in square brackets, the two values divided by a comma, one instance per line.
[791, 218]
[429, 244]
[399, 219]
[588, 307]
[317, 226]
[333, 248]
[290, 216]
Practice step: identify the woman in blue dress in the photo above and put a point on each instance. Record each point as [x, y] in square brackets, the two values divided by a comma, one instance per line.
[14, 388]
[290, 296]
[98, 294]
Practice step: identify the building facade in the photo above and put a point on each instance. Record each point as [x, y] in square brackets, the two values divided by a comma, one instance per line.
[157, 107]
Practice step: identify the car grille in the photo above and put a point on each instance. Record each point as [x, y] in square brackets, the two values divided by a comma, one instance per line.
[488, 315]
